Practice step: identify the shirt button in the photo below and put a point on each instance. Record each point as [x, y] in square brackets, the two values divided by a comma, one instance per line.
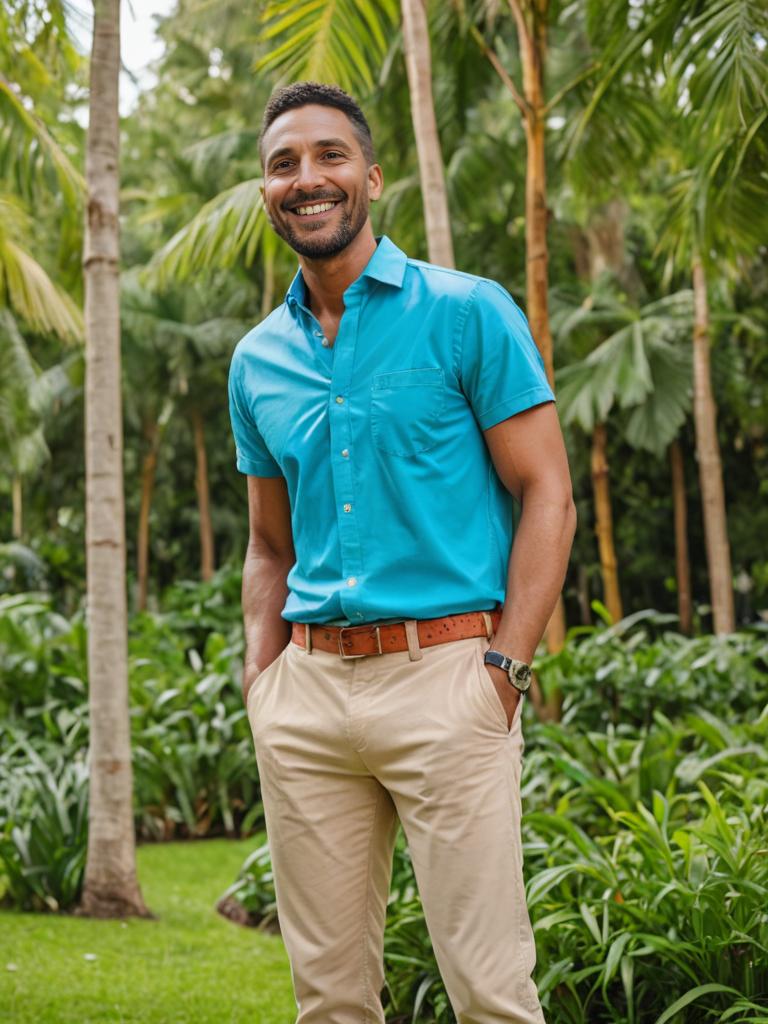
[352, 581]
[325, 343]
[339, 400]
[347, 507]
[345, 452]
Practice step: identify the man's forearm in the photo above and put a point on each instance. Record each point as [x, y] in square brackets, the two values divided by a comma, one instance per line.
[537, 568]
[264, 593]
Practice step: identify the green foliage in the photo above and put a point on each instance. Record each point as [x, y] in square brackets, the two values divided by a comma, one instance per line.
[626, 672]
[193, 764]
[648, 880]
[254, 890]
[339, 41]
[43, 824]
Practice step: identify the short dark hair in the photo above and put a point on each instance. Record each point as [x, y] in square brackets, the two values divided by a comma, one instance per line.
[301, 94]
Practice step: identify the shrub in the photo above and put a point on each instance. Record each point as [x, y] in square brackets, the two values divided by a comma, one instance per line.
[43, 826]
[624, 673]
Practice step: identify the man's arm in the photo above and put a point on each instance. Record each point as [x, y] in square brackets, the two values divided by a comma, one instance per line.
[268, 560]
[529, 455]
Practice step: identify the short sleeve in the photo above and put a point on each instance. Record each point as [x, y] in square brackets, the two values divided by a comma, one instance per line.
[253, 456]
[502, 372]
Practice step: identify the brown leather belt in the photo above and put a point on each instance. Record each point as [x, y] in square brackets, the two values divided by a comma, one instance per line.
[389, 637]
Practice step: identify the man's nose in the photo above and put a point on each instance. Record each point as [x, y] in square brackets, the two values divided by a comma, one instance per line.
[309, 175]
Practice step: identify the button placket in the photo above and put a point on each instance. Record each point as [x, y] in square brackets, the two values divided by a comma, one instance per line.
[340, 421]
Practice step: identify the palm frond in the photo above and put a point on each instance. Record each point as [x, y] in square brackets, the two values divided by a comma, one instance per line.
[640, 367]
[27, 146]
[339, 41]
[725, 47]
[227, 227]
[26, 287]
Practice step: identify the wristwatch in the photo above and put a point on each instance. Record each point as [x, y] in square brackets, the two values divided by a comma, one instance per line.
[519, 673]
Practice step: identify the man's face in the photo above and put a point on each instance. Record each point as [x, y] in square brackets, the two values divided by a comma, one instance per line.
[317, 182]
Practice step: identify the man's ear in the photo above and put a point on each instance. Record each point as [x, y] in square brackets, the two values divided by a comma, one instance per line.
[375, 182]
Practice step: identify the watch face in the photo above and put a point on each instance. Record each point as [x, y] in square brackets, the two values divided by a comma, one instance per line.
[522, 677]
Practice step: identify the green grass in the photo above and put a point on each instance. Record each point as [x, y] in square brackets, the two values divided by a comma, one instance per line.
[190, 966]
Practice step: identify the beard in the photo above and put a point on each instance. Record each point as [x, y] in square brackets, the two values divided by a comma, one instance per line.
[350, 225]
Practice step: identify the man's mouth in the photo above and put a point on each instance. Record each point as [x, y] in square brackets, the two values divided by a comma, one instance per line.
[313, 209]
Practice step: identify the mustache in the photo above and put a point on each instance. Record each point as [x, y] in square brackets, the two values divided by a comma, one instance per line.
[308, 198]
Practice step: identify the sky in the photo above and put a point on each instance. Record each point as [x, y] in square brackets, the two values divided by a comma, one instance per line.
[139, 46]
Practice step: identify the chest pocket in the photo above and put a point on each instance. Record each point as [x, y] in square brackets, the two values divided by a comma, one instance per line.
[405, 409]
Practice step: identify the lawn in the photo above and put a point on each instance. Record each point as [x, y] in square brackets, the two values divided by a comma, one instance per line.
[190, 966]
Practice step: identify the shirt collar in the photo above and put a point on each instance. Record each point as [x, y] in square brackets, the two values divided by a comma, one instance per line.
[387, 264]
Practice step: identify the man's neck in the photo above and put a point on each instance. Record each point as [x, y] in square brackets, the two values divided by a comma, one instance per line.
[327, 279]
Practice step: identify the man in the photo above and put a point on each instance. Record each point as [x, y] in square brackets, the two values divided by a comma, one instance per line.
[386, 415]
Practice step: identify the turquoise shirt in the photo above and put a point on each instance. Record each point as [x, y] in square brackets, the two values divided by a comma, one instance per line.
[396, 509]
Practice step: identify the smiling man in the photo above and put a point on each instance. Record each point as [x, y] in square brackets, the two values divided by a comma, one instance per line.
[387, 415]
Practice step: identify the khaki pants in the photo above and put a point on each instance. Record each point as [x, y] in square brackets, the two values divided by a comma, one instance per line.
[345, 748]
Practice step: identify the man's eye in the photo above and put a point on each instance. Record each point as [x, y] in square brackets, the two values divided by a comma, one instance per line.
[281, 165]
[333, 155]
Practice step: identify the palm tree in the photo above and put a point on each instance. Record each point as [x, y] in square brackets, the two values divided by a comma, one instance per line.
[717, 98]
[640, 368]
[169, 344]
[418, 62]
[111, 886]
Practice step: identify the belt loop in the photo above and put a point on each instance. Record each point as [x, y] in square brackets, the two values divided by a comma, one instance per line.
[415, 652]
[488, 624]
[308, 637]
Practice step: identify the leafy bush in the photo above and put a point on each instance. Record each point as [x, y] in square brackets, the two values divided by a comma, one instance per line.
[651, 879]
[251, 897]
[625, 672]
[43, 826]
[194, 769]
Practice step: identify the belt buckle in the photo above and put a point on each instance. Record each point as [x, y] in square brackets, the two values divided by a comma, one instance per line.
[349, 657]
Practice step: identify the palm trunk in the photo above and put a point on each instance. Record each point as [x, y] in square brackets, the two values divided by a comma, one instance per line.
[148, 472]
[16, 498]
[111, 886]
[604, 522]
[682, 563]
[710, 467]
[418, 62]
[203, 498]
[532, 42]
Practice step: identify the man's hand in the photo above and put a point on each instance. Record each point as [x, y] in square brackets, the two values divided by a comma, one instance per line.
[508, 695]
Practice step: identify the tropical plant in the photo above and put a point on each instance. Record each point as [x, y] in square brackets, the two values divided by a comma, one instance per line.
[639, 367]
[43, 824]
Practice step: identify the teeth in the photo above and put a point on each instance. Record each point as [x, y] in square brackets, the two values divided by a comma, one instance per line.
[305, 211]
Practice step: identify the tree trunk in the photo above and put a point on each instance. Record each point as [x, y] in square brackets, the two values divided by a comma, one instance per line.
[16, 498]
[203, 498]
[585, 605]
[418, 62]
[532, 39]
[111, 886]
[604, 522]
[148, 470]
[532, 43]
[710, 467]
[682, 563]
